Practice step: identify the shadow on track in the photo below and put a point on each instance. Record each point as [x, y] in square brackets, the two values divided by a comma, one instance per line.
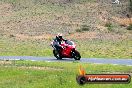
[62, 60]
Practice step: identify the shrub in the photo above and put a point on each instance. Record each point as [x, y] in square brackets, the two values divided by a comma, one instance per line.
[129, 27]
[11, 35]
[78, 30]
[85, 28]
[109, 26]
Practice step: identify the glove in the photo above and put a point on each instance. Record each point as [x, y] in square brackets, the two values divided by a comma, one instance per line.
[65, 40]
[62, 47]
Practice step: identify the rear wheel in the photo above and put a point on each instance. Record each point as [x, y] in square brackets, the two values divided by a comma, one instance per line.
[76, 55]
[57, 55]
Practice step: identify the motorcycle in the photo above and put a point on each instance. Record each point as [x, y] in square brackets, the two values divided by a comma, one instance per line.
[68, 51]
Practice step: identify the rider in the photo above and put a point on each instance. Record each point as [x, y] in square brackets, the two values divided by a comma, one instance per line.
[57, 42]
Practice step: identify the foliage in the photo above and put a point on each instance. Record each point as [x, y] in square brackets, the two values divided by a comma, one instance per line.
[78, 30]
[109, 26]
[129, 27]
[83, 28]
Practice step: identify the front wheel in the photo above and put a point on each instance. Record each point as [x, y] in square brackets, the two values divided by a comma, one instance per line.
[76, 55]
[57, 55]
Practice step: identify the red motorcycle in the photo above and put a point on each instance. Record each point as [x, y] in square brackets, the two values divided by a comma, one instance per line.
[68, 51]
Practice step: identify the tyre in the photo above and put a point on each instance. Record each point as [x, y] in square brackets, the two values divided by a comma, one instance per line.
[76, 55]
[57, 55]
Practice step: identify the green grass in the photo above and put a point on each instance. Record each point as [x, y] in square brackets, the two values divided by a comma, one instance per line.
[105, 49]
[26, 48]
[90, 49]
[14, 76]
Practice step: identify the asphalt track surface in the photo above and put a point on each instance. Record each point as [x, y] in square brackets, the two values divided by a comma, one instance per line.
[83, 60]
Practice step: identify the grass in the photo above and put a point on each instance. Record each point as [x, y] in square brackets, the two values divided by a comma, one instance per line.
[26, 48]
[105, 49]
[90, 49]
[21, 74]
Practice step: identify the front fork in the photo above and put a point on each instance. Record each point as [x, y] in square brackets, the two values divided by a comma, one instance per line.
[73, 53]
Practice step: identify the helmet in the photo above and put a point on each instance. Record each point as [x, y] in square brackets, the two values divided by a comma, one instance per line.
[59, 36]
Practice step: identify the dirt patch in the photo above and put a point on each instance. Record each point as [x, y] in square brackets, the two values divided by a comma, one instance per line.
[85, 35]
[77, 35]
[5, 62]
[111, 36]
[89, 35]
[96, 35]
[123, 21]
[103, 16]
[5, 9]
[101, 28]
[24, 37]
[86, 6]
[80, 35]
[39, 68]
